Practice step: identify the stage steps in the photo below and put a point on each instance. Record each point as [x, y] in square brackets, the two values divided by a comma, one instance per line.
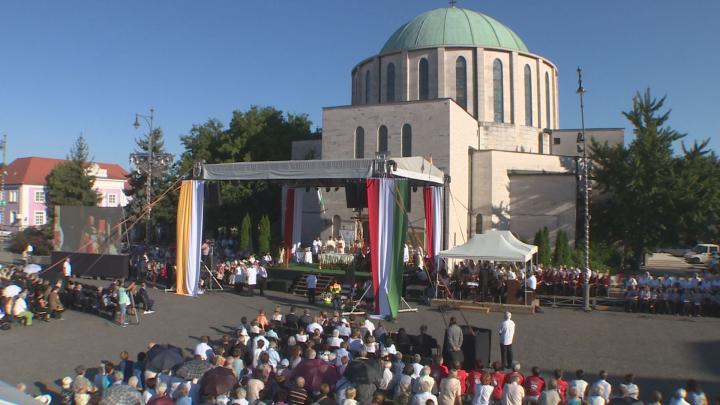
[300, 287]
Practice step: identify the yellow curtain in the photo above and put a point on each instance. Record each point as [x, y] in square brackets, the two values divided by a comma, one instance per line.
[184, 221]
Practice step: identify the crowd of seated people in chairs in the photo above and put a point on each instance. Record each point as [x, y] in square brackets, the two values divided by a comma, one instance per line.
[41, 299]
[698, 295]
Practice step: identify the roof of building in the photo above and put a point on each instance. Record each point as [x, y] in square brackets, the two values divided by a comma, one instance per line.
[34, 169]
[453, 26]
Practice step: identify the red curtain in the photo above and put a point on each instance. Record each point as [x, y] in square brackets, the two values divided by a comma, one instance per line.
[429, 215]
[288, 231]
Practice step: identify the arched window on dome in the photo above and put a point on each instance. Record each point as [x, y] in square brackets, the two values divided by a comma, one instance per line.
[423, 79]
[359, 143]
[498, 91]
[367, 87]
[547, 101]
[406, 139]
[390, 83]
[461, 81]
[528, 96]
[382, 139]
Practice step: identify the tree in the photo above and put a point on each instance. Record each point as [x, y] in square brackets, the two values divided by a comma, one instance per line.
[542, 241]
[639, 183]
[245, 234]
[38, 238]
[264, 236]
[69, 182]
[164, 212]
[258, 134]
[563, 253]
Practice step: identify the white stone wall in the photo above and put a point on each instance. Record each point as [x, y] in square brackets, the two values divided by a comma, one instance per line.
[565, 140]
[493, 192]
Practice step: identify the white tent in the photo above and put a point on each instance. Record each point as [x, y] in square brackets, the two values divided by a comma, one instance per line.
[495, 245]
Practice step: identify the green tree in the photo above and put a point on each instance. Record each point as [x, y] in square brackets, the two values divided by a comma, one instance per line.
[563, 253]
[638, 183]
[542, 241]
[69, 183]
[164, 212]
[246, 234]
[258, 134]
[264, 236]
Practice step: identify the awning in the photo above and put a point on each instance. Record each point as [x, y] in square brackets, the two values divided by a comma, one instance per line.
[417, 169]
[495, 245]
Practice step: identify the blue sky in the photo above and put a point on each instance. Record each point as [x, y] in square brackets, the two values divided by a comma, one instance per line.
[68, 67]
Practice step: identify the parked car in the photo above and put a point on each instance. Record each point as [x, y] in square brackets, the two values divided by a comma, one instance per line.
[702, 253]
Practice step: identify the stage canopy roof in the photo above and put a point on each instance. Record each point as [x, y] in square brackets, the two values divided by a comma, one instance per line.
[496, 245]
[327, 172]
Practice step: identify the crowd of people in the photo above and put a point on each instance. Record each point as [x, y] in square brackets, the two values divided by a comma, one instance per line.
[296, 358]
[28, 297]
[697, 295]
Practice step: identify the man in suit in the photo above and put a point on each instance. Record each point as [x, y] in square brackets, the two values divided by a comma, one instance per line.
[145, 299]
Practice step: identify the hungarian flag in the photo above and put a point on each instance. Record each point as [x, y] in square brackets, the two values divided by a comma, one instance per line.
[388, 228]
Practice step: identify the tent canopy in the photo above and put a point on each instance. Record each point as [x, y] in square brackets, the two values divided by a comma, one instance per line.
[327, 172]
[495, 245]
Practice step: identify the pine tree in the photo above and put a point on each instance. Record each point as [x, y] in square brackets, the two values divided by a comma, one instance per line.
[69, 183]
[545, 248]
[245, 234]
[264, 235]
[562, 254]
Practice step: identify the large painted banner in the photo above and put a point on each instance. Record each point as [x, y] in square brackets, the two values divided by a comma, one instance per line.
[433, 198]
[388, 230]
[189, 236]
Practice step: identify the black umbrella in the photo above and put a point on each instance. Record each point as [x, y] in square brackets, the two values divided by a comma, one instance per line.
[217, 381]
[164, 357]
[121, 395]
[193, 369]
[362, 371]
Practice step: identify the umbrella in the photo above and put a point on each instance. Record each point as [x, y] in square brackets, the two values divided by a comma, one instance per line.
[217, 381]
[193, 369]
[164, 357]
[32, 268]
[316, 372]
[121, 395]
[13, 396]
[362, 372]
[11, 291]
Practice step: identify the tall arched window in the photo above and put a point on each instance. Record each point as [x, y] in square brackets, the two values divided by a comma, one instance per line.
[406, 138]
[528, 96]
[424, 79]
[359, 143]
[382, 139]
[390, 83]
[498, 102]
[547, 101]
[461, 81]
[479, 223]
[367, 87]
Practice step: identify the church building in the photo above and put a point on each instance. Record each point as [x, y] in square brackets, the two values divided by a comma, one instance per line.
[464, 91]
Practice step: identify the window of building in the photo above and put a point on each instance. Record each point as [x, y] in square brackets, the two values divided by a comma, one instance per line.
[39, 196]
[556, 141]
[498, 92]
[547, 101]
[13, 196]
[424, 79]
[406, 139]
[382, 139]
[112, 199]
[39, 218]
[528, 96]
[359, 143]
[461, 81]
[336, 224]
[478, 223]
[390, 83]
[367, 87]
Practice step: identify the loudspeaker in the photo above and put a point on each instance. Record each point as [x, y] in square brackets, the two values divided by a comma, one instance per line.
[356, 195]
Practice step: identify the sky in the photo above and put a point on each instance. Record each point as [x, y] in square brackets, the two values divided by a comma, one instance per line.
[72, 67]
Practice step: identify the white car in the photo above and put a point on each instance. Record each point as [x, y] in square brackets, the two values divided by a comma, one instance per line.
[702, 253]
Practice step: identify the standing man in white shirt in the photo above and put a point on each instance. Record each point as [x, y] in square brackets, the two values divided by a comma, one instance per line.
[311, 286]
[507, 333]
[263, 274]
[251, 278]
[604, 386]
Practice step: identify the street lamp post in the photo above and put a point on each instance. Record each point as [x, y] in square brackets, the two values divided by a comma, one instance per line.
[582, 139]
[146, 163]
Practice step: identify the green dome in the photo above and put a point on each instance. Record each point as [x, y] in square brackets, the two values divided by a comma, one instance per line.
[453, 26]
